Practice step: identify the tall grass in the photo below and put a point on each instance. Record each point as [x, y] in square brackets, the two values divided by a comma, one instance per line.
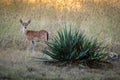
[99, 19]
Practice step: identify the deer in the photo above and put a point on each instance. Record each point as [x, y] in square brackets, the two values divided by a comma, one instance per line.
[34, 36]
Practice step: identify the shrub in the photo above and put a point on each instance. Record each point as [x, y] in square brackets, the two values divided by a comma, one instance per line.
[73, 46]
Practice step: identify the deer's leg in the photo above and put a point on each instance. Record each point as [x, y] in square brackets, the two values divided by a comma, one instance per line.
[33, 45]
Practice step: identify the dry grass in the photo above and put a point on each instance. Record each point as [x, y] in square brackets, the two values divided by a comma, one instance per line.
[99, 20]
[19, 65]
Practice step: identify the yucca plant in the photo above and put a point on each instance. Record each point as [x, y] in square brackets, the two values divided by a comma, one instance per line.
[73, 46]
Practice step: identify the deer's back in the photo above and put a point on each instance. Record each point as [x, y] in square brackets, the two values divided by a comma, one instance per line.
[36, 35]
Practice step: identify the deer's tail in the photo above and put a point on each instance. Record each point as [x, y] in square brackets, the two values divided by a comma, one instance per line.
[47, 36]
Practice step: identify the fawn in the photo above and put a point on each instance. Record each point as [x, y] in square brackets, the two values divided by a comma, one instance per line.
[34, 36]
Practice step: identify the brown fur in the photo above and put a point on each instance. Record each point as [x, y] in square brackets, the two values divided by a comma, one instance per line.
[41, 35]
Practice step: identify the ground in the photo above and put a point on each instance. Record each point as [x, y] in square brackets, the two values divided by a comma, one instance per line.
[21, 65]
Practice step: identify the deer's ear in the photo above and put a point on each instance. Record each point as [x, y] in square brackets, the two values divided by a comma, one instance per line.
[21, 21]
[29, 21]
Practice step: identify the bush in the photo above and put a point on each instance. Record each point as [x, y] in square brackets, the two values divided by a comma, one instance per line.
[73, 46]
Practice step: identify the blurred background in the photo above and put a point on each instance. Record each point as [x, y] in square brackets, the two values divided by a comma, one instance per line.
[96, 18]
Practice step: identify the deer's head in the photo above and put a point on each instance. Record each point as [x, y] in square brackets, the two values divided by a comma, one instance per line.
[25, 24]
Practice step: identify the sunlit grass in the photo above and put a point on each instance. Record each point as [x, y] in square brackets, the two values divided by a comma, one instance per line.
[101, 20]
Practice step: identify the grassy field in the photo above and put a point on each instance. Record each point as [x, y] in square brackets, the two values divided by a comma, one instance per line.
[100, 20]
